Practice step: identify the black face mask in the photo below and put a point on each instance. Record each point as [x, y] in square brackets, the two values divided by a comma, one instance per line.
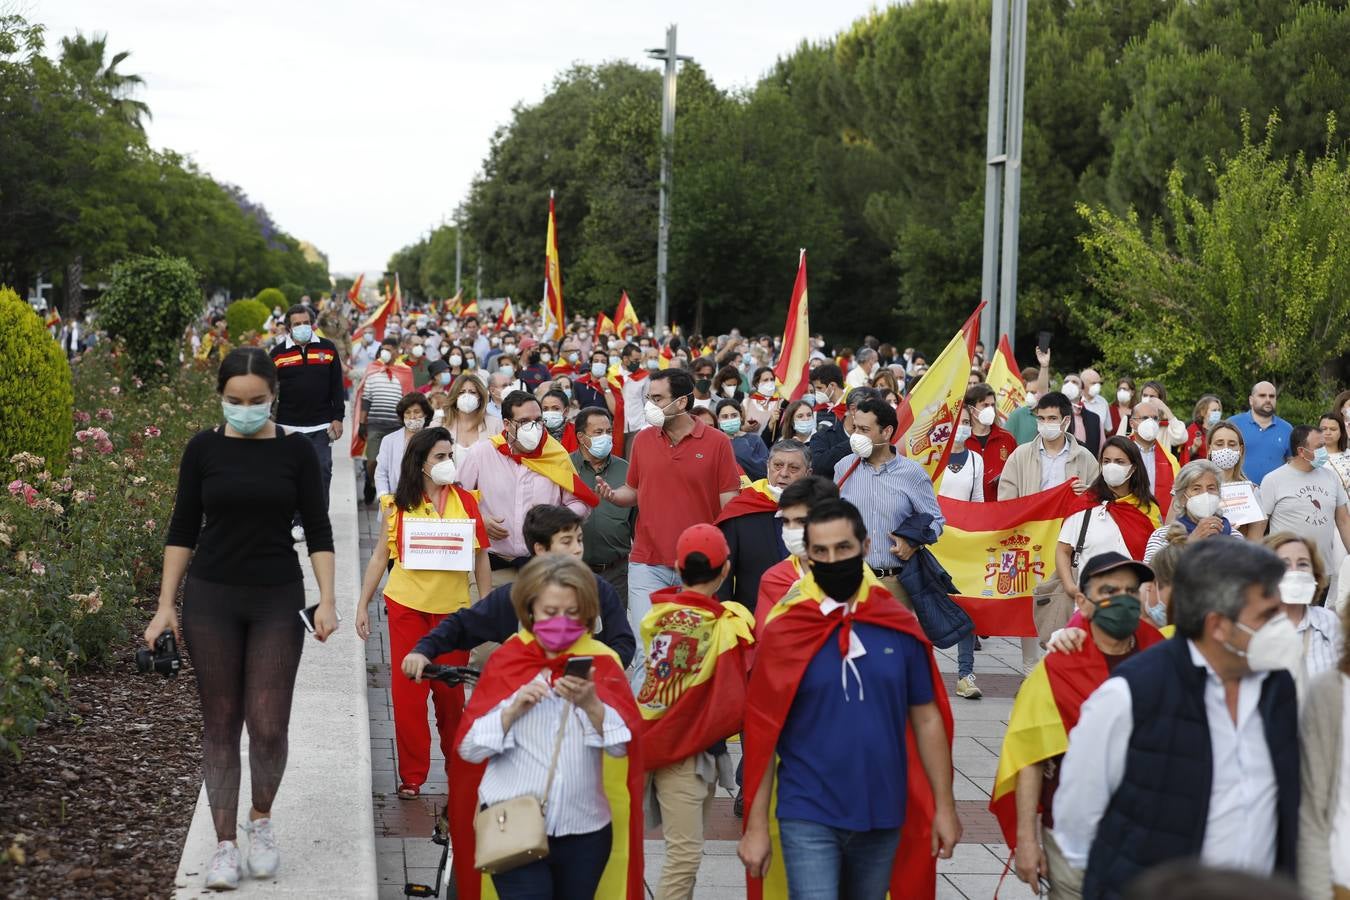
[840, 579]
[632, 365]
[702, 385]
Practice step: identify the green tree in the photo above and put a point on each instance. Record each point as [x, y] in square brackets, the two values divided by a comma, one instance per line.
[35, 387]
[86, 59]
[148, 307]
[1253, 284]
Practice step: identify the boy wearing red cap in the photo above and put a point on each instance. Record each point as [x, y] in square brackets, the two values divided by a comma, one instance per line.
[692, 698]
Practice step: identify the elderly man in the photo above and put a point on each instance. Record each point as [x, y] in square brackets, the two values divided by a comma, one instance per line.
[1191, 748]
[1092, 396]
[866, 362]
[1145, 426]
[1266, 434]
[751, 525]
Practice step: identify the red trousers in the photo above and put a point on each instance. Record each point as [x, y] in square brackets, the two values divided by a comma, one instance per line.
[412, 735]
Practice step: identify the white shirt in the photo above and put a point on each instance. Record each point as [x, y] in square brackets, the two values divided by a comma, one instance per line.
[1102, 408]
[856, 377]
[1053, 467]
[634, 398]
[1241, 827]
[967, 484]
[518, 760]
[1320, 632]
[1103, 534]
[1340, 819]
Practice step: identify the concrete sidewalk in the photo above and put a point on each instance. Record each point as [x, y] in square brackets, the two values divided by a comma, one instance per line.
[323, 810]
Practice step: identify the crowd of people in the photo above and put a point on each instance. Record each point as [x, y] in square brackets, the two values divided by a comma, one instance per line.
[650, 549]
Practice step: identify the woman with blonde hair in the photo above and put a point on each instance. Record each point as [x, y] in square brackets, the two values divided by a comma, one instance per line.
[551, 713]
[885, 378]
[1302, 590]
[466, 416]
[1324, 813]
[1227, 449]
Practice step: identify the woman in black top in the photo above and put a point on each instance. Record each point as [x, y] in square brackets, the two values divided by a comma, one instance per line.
[238, 487]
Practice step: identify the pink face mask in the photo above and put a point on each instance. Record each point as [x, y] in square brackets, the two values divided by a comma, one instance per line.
[558, 633]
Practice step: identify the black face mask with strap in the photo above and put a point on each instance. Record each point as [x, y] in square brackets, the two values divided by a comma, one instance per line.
[840, 579]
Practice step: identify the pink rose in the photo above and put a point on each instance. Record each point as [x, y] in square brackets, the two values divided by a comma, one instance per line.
[114, 390]
[82, 417]
[152, 431]
[15, 487]
[104, 415]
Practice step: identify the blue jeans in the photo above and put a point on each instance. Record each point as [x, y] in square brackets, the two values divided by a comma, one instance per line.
[571, 871]
[323, 445]
[826, 863]
[965, 656]
[643, 581]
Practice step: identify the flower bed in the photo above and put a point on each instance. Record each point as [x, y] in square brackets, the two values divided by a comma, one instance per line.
[82, 550]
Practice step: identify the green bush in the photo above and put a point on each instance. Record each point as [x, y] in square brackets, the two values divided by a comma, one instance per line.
[293, 292]
[243, 316]
[273, 298]
[149, 305]
[35, 391]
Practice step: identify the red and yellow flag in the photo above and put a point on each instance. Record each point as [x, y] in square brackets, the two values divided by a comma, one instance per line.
[53, 317]
[794, 365]
[378, 319]
[998, 552]
[550, 460]
[453, 305]
[1010, 391]
[469, 309]
[553, 288]
[604, 325]
[694, 692]
[508, 317]
[398, 295]
[624, 317]
[927, 417]
[354, 293]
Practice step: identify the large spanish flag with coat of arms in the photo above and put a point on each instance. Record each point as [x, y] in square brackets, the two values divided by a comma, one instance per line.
[998, 552]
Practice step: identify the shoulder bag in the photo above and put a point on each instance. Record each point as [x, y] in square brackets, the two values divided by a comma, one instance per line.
[513, 833]
[1051, 604]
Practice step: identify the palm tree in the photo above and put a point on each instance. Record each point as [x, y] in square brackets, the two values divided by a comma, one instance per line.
[84, 58]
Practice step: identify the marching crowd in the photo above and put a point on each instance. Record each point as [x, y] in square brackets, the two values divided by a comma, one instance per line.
[649, 551]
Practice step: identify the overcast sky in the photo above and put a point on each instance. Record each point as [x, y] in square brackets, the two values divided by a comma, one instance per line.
[361, 124]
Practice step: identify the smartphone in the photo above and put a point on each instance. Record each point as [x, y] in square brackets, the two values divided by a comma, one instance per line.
[1043, 341]
[307, 616]
[580, 666]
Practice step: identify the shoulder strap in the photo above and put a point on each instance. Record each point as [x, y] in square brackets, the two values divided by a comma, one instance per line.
[849, 473]
[1082, 537]
[557, 746]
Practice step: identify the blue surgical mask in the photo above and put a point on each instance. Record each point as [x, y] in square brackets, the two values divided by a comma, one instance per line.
[598, 369]
[803, 426]
[302, 334]
[601, 446]
[1320, 457]
[445, 377]
[508, 371]
[246, 419]
[567, 392]
[1158, 613]
[1213, 418]
[553, 419]
[730, 426]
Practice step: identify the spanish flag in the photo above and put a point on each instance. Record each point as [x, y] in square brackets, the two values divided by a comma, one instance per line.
[1045, 711]
[604, 325]
[1010, 391]
[454, 304]
[928, 414]
[694, 692]
[625, 317]
[755, 498]
[998, 552]
[794, 364]
[354, 293]
[377, 320]
[53, 317]
[793, 631]
[611, 384]
[550, 459]
[553, 286]
[508, 317]
[515, 663]
[470, 309]
[398, 295]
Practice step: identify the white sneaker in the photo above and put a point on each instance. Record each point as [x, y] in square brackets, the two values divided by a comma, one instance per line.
[263, 855]
[298, 534]
[223, 873]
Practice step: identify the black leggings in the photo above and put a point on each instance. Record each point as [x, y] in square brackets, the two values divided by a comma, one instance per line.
[245, 645]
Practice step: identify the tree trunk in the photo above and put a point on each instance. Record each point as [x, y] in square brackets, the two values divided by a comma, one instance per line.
[74, 292]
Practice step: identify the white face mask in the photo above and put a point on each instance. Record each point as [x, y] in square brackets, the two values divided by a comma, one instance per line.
[553, 419]
[418, 350]
[1298, 587]
[729, 390]
[467, 402]
[1275, 645]
[456, 360]
[1147, 431]
[1202, 506]
[1031, 399]
[1124, 395]
[386, 356]
[655, 415]
[986, 416]
[1072, 391]
[1116, 474]
[528, 436]
[1224, 457]
[443, 472]
[598, 370]
[860, 444]
[1095, 390]
[1050, 431]
[795, 541]
[766, 388]
[414, 425]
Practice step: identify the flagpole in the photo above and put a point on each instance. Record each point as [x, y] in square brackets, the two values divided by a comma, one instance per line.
[672, 60]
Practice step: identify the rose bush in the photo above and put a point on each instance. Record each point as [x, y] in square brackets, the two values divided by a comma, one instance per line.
[82, 550]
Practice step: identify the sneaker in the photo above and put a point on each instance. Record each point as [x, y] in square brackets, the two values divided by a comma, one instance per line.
[298, 534]
[223, 873]
[738, 805]
[263, 855]
[369, 494]
[965, 687]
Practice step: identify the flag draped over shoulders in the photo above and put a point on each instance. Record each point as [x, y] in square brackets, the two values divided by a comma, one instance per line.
[755, 498]
[550, 459]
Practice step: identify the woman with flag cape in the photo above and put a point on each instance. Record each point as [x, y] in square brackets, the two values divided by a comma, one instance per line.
[505, 741]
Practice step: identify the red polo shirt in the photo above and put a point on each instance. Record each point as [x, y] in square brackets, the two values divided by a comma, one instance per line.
[677, 487]
[998, 446]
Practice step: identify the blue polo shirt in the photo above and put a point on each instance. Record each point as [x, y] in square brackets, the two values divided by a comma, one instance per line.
[1266, 447]
[842, 759]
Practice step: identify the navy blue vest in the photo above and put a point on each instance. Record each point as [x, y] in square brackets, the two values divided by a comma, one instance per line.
[1159, 811]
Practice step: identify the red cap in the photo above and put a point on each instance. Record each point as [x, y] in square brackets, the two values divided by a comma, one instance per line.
[705, 539]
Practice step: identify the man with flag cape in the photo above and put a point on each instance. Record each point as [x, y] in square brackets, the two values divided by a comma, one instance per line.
[1047, 709]
[518, 662]
[751, 526]
[847, 713]
[692, 699]
[597, 386]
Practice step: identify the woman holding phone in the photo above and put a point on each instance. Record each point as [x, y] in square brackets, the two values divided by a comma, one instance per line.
[239, 486]
[552, 682]
[417, 599]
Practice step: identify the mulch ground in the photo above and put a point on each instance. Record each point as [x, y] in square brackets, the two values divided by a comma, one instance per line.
[100, 804]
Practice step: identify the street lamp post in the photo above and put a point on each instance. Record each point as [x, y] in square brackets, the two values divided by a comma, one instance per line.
[672, 60]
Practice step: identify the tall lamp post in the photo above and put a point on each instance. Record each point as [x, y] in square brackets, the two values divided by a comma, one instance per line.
[672, 60]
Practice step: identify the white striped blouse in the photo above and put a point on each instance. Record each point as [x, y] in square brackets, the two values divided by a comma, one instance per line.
[518, 760]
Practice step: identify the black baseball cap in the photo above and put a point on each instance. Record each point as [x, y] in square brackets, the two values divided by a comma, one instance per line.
[1109, 562]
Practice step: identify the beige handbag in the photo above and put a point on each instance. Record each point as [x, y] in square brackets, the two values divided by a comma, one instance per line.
[512, 833]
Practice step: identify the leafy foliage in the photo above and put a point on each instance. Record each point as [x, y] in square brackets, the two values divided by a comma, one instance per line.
[246, 317]
[272, 298]
[1252, 285]
[35, 391]
[148, 306]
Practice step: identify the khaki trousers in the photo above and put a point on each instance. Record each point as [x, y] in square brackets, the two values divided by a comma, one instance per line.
[685, 801]
[1066, 882]
[892, 584]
